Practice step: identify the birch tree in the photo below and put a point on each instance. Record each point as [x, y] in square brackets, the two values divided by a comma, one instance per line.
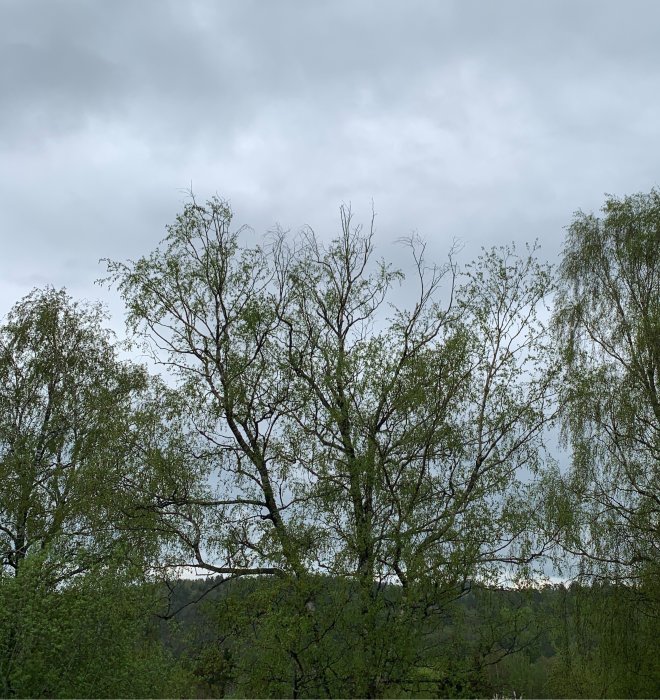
[339, 434]
[607, 320]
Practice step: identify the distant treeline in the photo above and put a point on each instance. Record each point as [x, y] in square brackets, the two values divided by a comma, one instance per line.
[556, 641]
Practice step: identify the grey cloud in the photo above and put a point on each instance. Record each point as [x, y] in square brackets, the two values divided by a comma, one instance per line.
[482, 120]
[59, 77]
[188, 66]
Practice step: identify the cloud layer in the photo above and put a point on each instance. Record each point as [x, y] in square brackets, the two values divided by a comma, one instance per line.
[489, 122]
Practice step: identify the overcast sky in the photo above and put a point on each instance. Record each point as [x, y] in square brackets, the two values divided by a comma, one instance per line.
[483, 121]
